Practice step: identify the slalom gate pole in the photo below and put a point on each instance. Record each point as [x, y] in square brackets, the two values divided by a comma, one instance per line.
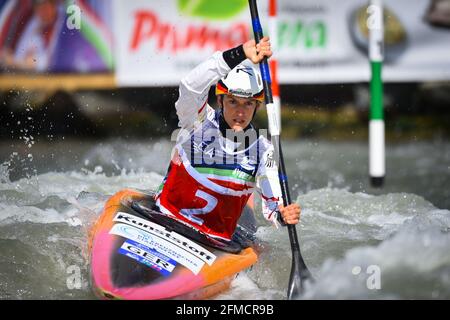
[376, 123]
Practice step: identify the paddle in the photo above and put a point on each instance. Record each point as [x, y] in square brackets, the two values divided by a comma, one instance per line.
[299, 271]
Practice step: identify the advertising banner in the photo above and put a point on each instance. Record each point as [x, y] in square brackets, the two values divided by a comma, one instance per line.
[155, 43]
[319, 41]
[51, 36]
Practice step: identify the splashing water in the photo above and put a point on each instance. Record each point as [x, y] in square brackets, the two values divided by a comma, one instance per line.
[358, 242]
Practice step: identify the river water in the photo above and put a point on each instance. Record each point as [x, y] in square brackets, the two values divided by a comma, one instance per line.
[358, 242]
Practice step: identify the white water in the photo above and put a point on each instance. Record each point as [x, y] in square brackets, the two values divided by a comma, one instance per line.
[358, 242]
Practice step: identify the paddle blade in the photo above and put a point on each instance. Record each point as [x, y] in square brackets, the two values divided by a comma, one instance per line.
[299, 275]
[299, 271]
[295, 282]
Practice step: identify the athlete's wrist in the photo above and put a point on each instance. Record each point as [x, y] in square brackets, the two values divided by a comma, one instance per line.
[234, 56]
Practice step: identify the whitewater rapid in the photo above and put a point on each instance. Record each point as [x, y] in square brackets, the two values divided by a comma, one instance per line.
[358, 242]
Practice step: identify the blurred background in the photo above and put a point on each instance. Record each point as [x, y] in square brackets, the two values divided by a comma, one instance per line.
[87, 93]
[111, 69]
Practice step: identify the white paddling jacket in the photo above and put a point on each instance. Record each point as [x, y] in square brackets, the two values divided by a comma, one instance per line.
[210, 177]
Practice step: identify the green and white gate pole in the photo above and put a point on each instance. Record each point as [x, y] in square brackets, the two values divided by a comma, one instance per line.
[376, 124]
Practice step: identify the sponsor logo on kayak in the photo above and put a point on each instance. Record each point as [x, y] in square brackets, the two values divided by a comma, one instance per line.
[173, 237]
[147, 256]
[161, 245]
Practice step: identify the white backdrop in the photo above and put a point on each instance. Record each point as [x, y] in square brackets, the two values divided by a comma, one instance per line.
[320, 41]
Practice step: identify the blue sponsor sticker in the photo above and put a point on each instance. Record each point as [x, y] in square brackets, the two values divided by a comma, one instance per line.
[148, 256]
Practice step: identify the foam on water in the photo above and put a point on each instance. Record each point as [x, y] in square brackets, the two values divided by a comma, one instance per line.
[244, 288]
[401, 236]
[44, 222]
[348, 237]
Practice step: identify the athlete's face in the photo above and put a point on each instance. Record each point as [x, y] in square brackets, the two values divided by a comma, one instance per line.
[238, 112]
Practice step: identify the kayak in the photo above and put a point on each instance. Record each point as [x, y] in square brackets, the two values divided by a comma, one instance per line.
[138, 253]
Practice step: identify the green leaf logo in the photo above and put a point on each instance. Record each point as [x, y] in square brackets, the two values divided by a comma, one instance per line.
[212, 9]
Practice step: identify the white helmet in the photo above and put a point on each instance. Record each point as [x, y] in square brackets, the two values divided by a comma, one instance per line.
[244, 80]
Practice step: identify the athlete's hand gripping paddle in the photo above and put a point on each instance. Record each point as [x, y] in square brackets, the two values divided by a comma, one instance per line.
[299, 271]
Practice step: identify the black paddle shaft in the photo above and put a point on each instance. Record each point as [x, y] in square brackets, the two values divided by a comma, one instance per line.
[299, 271]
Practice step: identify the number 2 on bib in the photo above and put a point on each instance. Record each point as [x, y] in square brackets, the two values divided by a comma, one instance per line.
[211, 203]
